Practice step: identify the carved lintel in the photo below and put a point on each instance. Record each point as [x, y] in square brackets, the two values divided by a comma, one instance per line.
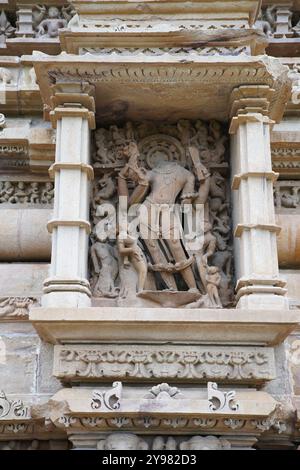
[175, 363]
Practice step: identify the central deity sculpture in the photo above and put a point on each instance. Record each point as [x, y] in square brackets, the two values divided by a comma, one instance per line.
[159, 182]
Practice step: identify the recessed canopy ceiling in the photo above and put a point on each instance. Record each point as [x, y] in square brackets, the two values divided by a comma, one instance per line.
[165, 87]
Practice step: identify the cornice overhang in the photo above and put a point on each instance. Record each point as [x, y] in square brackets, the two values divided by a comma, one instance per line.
[225, 9]
[206, 326]
[78, 39]
[165, 87]
[75, 410]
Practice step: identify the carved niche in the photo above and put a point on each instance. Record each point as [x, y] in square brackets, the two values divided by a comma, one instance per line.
[160, 213]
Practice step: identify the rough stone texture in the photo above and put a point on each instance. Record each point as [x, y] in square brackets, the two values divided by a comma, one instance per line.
[25, 361]
[28, 279]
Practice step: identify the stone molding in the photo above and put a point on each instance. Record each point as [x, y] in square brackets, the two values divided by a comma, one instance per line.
[226, 73]
[176, 363]
[70, 409]
[126, 325]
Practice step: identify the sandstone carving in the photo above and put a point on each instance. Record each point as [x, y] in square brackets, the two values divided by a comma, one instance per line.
[47, 22]
[146, 301]
[109, 399]
[163, 392]
[156, 263]
[169, 362]
[286, 195]
[6, 29]
[12, 409]
[221, 401]
[122, 441]
[205, 443]
[16, 307]
[21, 192]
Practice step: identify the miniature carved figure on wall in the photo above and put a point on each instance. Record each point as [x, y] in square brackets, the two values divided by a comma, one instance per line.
[48, 22]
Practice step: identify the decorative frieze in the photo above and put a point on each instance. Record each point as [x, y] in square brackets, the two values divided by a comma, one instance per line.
[180, 363]
[16, 308]
[130, 441]
[158, 51]
[26, 192]
[171, 425]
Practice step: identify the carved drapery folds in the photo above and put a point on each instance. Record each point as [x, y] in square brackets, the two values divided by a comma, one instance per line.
[175, 249]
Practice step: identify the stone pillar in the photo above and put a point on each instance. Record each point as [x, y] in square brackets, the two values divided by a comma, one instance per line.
[258, 283]
[24, 21]
[283, 21]
[73, 116]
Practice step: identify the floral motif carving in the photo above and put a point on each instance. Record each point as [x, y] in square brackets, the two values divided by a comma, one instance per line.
[12, 409]
[221, 401]
[180, 363]
[109, 400]
[163, 391]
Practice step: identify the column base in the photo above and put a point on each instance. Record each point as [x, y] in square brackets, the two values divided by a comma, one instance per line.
[69, 293]
[66, 299]
[263, 302]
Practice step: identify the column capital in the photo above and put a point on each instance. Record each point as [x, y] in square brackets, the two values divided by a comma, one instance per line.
[250, 103]
[73, 99]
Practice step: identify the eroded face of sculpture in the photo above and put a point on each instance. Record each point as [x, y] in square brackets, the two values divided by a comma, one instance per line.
[122, 441]
[161, 167]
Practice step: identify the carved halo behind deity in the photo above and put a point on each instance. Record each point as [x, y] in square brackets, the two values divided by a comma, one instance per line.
[160, 147]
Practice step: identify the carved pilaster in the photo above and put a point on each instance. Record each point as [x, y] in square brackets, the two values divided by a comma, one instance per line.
[255, 229]
[25, 21]
[282, 22]
[73, 116]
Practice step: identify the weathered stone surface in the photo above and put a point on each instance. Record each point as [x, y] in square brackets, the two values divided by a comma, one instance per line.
[46, 383]
[226, 326]
[24, 236]
[175, 363]
[19, 361]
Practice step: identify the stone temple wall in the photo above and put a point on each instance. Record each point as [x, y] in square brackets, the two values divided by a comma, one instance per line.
[149, 225]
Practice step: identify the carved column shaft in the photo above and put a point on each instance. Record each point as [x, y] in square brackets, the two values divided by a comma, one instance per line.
[258, 283]
[68, 283]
